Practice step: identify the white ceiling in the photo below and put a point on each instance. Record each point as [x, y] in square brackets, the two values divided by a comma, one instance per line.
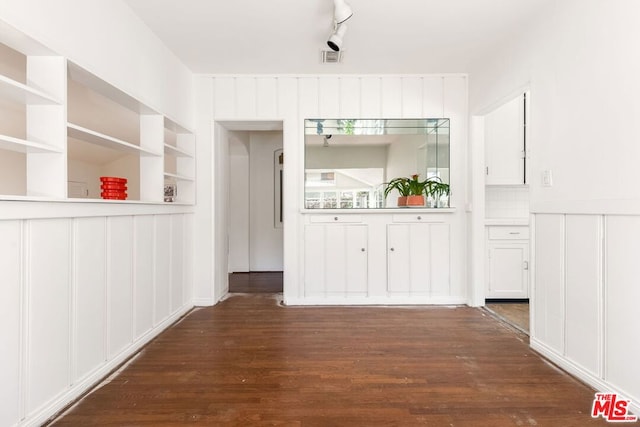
[286, 36]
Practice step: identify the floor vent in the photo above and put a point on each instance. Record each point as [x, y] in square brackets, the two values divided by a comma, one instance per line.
[331, 57]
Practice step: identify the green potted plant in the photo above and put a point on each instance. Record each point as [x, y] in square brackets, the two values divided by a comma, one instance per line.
[411, 190]
[402, 186]
[440, 194]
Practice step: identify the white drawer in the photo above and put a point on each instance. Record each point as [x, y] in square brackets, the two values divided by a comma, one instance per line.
[417, 217]
[336, 218]
[508, 233]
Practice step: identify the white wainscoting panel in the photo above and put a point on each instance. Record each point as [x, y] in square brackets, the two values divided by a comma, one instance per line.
[329, 96]
[90, 288]
[549, 287]
[583, 291]
[163, 268]
[120, 284]
[144, 242]
[622, 284]
[391, 97]
[432, 93]
[314, 260]
[412, 97]
[177, 262]
[349, 97]
[308, 99]
[11, 324]
[49, 310]
[371, 97]
[267, 98]
[71, 287]
[245, 97]
[440, 262]
[224, 93]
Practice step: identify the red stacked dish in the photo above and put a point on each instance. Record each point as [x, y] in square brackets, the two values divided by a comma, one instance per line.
[113, 188]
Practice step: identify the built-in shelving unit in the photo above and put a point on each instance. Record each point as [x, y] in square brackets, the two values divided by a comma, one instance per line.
[32, 103]
[62, 127]
[179, 161]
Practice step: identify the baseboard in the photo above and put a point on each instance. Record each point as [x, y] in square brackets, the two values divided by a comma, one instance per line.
[507, 300]
[204, 302]
[61, 402]
[379, 300]
[582, 374]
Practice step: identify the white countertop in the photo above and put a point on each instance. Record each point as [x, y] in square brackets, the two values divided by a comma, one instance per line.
[506, 221]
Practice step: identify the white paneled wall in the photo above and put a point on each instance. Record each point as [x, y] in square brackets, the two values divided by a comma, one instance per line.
[292, 99]
[79, 296]
[585, 309]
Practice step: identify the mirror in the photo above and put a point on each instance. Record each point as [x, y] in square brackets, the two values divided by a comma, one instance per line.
[349, 162]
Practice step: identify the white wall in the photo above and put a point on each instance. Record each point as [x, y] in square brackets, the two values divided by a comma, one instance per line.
[577, 58]
[266, 245]
[292, 99]
[239, 204]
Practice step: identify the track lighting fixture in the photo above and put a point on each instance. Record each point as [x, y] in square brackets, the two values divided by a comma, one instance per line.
[335, 41]
[341, 11]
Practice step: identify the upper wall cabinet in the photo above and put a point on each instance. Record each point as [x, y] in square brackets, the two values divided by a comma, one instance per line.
[505, 143]
[62, 128]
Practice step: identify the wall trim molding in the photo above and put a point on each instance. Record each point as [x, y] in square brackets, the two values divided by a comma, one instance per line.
[587, 207]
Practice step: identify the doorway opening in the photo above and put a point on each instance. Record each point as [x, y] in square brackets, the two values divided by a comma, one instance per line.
[506, 210]
[254, 204]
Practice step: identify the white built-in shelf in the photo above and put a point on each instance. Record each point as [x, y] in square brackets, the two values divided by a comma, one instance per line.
[97, 138]
[19, 92]
[175, 151]
[23, 146]
[178, 177]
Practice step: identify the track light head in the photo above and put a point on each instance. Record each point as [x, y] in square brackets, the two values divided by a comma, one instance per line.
[335, 41]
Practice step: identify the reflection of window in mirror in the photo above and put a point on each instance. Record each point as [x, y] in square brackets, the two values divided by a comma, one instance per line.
[348, 162]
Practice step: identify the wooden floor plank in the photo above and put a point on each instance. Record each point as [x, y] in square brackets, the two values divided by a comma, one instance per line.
[250, 361]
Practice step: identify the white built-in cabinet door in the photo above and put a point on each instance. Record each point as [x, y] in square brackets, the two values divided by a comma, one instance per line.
[505, 144]
[508, 269]
[408, 257]
[418, 258]
[335, 259]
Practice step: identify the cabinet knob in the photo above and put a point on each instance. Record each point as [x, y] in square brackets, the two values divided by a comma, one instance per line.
[419, 217]
[392, 249]
[362, 249]
[335, 218]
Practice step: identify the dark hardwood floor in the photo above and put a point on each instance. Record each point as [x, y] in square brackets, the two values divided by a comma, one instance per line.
[249, 361]
[256, 282]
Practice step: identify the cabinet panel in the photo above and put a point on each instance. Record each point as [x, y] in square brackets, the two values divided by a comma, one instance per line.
[504, 142]
[163, 268]
[440, 261]
[335, 259]
[408, 257]
[370, 101]
[392, 97]
[508, 270]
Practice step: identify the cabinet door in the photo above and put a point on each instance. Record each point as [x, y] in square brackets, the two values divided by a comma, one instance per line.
[336, 259]
[408, 257]
[508, 270]
[504, 144]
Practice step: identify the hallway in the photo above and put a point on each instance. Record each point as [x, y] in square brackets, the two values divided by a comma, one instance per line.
[251, 361]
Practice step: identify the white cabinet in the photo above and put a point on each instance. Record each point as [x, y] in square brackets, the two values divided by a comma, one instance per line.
[335, 259]
[418, 258]
[505, 144]
[507, 262]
